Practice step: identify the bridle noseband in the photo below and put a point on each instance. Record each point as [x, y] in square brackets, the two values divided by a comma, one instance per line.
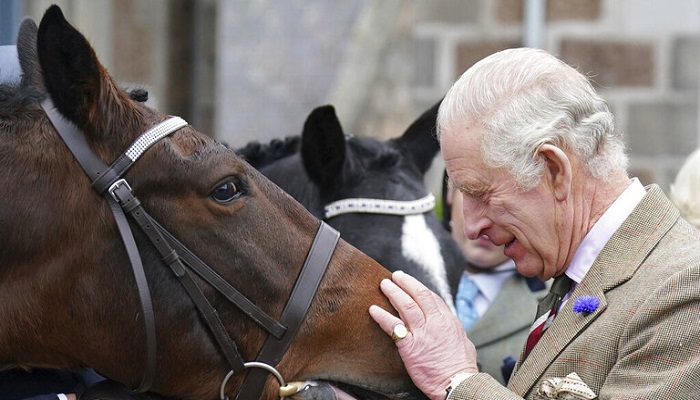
[108, 182]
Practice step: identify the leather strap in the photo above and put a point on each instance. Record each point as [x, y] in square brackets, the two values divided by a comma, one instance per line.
[133, 207]
[140, 145]
[295, 310]
[93, 165]
[144, 295]
[75, 141]
[215, 280]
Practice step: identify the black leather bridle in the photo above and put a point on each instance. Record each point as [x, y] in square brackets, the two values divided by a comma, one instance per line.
[108, 182]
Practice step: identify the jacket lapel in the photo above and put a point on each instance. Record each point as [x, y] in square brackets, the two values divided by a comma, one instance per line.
[507, 314]
[567, 326]
[616, 264]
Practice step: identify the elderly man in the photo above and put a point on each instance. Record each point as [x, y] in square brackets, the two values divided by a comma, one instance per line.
[494, 302]
[532, 149]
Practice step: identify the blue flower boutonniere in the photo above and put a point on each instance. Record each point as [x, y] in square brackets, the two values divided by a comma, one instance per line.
[586, 304]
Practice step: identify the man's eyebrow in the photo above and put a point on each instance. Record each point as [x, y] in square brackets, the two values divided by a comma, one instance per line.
[469, 190]
[452, 185]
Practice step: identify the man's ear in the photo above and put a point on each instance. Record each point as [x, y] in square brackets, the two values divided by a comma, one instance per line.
[558, 168]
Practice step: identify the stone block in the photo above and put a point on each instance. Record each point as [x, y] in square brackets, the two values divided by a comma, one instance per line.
[511, 11]
[134, 41]
[611, 63]
[646, 174]
[449, 11]
[425, 53]
[685, 64]
[468, 53]
[662, 128]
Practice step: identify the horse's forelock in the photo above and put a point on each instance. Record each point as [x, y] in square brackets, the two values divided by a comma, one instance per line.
[139, 95]
[260, 155]
[14, 100]
[197, 146]
[373, 153]
[388, 158]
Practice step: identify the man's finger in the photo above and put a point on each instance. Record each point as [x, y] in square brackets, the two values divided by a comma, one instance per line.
[409, 311]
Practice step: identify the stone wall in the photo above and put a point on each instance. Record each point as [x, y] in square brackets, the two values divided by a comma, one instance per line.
[252, 70]
[641, 54]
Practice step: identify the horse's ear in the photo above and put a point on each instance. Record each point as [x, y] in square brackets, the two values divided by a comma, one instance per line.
[26, 51]
[420, 141]
[323, 145]
[72, 74]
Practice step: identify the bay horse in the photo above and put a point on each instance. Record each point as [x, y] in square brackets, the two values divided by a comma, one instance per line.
[372, 191]
[114, 216]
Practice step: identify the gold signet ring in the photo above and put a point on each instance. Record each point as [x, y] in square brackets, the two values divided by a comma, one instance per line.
[400, 331]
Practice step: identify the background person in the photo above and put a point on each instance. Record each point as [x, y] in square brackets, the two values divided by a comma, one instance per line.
[45, 384]
[494, 302]
[685, 190]
[533, 151]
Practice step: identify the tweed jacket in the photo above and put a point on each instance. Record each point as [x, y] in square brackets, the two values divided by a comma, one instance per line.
[502, 330]
[643, 340]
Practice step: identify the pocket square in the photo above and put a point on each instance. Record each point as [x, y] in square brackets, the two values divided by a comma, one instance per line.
[569, 388]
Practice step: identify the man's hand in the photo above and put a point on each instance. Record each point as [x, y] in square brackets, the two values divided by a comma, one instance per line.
[436, 346]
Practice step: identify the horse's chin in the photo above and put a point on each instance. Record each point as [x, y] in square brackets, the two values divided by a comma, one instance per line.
[326, 390]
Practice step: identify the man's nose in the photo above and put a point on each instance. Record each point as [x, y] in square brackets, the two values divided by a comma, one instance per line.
[475, 220]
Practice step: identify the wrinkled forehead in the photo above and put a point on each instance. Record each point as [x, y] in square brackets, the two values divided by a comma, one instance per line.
[9, 65]
[461, 142]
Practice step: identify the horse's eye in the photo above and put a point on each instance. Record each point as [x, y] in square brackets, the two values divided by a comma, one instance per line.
[226, 192]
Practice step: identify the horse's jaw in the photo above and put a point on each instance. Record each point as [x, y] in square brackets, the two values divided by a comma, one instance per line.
[325, 390]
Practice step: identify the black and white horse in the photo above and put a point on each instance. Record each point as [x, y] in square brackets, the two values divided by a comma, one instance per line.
[371, 191]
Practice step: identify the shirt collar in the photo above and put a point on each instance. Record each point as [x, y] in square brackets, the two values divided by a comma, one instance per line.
[490, 283]
[603, 229]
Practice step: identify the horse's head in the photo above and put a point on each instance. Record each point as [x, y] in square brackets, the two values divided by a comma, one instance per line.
[325, 169]
[68, 296]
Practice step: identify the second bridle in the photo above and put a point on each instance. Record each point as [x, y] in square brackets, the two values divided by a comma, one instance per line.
[363, 205]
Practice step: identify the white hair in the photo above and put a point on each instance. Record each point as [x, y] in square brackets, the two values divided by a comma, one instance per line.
[520, 99]
[685, 190]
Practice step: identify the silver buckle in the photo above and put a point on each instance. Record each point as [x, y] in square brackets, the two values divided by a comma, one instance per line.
[116, 185]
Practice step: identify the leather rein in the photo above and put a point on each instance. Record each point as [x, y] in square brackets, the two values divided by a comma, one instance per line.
[108, 182]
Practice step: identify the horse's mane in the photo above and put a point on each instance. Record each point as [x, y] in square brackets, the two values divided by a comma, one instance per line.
[260, 155]
[13, 100]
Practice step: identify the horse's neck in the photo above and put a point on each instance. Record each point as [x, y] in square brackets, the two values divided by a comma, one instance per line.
[32, 321]
[56, 308]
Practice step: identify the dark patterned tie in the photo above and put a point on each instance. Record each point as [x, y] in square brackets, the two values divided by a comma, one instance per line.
[547, 310]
